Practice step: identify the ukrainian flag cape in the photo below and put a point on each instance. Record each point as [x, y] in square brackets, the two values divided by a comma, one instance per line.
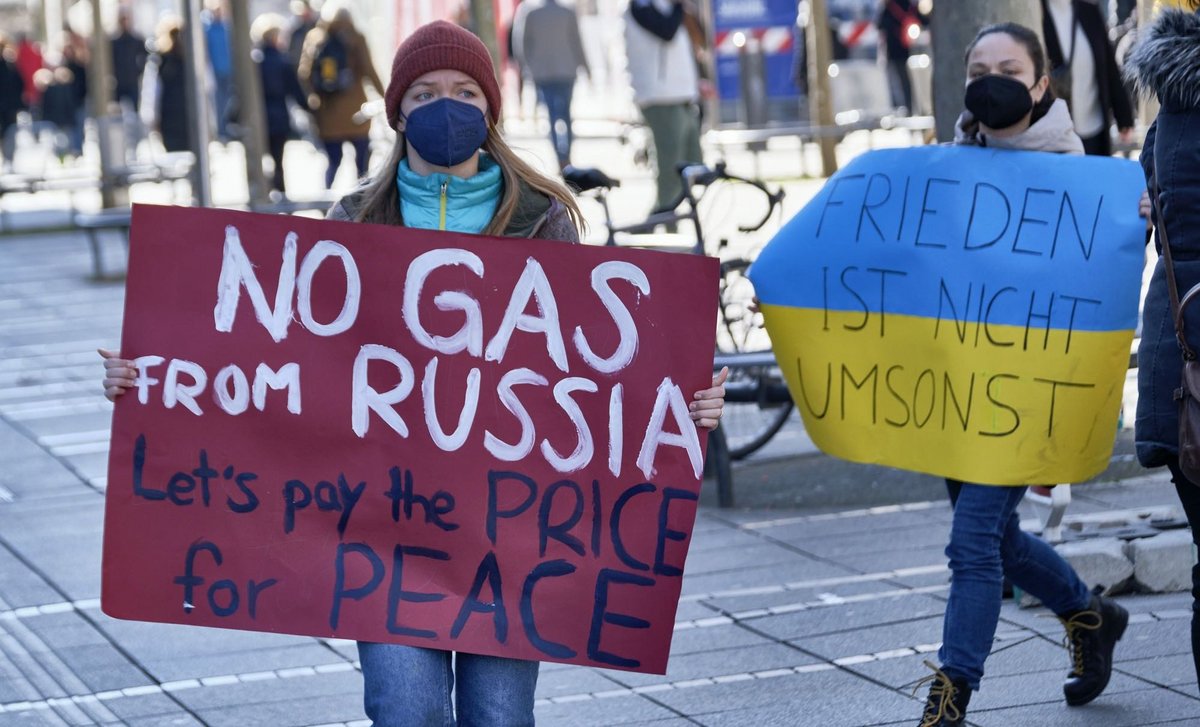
[960, 311]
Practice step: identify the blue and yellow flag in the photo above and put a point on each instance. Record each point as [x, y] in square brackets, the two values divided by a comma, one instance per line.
[960, 311]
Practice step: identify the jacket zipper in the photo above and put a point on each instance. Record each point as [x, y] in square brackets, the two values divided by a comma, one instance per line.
[442, 206]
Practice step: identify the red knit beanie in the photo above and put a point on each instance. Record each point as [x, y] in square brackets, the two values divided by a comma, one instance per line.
[436, 46]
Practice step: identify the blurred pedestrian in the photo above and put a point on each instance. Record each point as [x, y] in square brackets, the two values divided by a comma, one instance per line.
[303, 20]
[1084, 72]
[129, 57]
[12, 99]
[67, 110]
[76, 60]
[1009, 105]
[546, 41]
[666, 89]
[1166, 62]
[279, 83]
[514, 62]
[900, 23]
[334, 68]
[220, 62]
[29, 61]
[59, 108]
[174, 106]
[464, 18]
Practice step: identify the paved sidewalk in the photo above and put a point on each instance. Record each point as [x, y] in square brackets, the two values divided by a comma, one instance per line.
[788, 617]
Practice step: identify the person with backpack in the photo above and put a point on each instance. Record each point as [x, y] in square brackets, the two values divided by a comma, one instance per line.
[451, 169]
[335, 65]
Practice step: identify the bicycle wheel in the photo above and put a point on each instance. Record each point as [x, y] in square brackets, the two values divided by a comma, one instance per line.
[748, 424]
[725, 206]
[739, 329]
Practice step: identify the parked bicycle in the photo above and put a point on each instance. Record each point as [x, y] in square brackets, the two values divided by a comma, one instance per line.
[754, 412]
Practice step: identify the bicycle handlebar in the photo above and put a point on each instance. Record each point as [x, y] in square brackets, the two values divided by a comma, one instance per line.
[587, 178]
[698, 175]
[693, 175]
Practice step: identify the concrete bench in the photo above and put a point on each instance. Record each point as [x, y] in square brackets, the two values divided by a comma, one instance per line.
[95, 224]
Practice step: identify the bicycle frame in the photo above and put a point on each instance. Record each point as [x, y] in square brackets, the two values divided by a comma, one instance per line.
[693, 175]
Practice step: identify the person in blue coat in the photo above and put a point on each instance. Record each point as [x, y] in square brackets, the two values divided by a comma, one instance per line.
[279, 83]
[1166, 62]
[220, 62]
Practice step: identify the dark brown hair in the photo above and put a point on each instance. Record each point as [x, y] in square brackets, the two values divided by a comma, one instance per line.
[1022, 35]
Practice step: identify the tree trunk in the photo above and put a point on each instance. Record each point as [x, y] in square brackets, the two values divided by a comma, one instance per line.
[195, 59]
[251, 114]
[483, 15]
[100, 87]
[820, 95]
[954, 25]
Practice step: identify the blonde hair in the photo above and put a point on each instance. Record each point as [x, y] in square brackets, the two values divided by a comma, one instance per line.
[266, 24]
[334, 11]
[169, 33]
[382, 205]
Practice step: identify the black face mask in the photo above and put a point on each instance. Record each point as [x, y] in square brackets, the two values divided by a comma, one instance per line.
[998, 101]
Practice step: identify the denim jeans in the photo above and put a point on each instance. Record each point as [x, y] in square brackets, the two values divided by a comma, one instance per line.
[557, 97]
[986, 544]
[223, 93]
[407, 686]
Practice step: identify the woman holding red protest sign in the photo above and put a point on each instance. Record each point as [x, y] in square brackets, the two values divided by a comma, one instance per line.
[1009, 105]
[451, 170]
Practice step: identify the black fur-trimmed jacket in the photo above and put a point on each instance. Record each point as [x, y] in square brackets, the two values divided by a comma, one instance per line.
[1166, 63]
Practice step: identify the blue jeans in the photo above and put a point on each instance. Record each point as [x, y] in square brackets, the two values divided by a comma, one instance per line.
[986, 544]
[223, 93]
[407, 686]
[557, 97]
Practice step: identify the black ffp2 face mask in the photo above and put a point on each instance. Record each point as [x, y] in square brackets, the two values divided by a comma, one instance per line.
[998, 101]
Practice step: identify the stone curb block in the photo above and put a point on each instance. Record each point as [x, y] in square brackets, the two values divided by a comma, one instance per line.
[1163, 563]
[1159, 564]
[1101, 561]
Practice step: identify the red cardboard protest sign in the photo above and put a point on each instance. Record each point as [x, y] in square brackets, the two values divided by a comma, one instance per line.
[452, 441]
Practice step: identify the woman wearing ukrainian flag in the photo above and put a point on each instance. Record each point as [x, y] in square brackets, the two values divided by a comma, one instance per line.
[1009, 105]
